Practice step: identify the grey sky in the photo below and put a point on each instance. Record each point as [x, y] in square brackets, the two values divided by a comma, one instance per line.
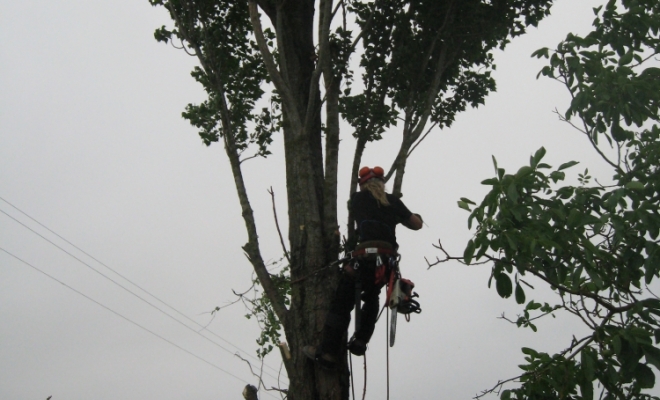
[92, 145]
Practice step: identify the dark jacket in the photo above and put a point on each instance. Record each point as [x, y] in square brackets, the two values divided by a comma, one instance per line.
[374, 221]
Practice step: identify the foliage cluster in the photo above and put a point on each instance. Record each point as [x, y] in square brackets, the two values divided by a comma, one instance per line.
[596, 246]
[232, 71]
[261, 309]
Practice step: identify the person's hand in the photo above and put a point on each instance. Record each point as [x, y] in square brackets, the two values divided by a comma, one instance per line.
[415, 222]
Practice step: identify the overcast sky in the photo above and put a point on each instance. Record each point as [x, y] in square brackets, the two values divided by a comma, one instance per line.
[92, 146]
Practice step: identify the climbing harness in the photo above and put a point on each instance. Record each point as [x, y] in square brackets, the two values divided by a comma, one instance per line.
[400, 296]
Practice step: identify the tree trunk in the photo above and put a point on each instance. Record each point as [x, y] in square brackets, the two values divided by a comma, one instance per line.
[311, 194]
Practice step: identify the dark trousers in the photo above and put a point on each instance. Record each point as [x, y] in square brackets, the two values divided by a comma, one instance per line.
[339, 315]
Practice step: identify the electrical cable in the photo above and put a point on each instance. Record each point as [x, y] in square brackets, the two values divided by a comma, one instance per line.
[126, 318]
[123, 287]
[120, 275]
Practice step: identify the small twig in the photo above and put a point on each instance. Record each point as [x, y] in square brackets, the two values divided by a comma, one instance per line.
[652, 294]
[448, 258]
[248, 158]
[423, 137]
[498, 386]
[279, 374]
[339, 3]
[589, 340]
[218, 308]
[586, 132]
[530, 286]
[507, 319]
[277, 225]
[261, 382]
[495, 389]
[183, 47]
[645, 60]
[592, 324]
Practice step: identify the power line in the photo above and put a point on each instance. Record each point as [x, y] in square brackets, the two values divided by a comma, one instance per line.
[131, 282]
[126, 318]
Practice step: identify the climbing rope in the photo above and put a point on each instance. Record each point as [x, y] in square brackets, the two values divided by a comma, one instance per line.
[387, 350]
[350, 362]
[364, 388]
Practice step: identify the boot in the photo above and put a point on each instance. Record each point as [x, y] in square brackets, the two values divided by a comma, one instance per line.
[356, 346]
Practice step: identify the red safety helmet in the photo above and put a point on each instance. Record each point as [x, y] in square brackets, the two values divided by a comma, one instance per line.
[367, 173]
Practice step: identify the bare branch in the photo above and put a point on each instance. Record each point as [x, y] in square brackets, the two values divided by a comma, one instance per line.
[645, 60]
[496, 389]
[586, 130]
[422, 139]
[277, 225]
[449, 258]
[249, 158]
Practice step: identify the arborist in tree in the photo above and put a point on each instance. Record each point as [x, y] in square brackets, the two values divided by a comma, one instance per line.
[376, 215]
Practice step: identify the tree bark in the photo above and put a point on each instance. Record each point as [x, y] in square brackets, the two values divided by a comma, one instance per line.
[311, 191]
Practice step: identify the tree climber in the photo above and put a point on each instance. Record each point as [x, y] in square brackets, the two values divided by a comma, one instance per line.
[376, 214]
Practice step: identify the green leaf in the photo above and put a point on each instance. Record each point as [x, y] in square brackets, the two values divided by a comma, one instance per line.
[635, 185]
[567, 165]
[512, 192]
[524, 171]
[595, 278]
[588, 365]
[469, 252]
[645, 376]
[520, 294]
[587, 389]
[542, 52]
[652, 355]
[627, 58]
[528, 351]
[538, 156]
[617, 345]
[503, 285]
[463, 205]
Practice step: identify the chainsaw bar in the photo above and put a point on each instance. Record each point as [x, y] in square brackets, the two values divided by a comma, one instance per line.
[393, 327]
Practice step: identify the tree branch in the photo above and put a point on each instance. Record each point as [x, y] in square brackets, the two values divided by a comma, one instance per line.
[277, 225]
[288, 100]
